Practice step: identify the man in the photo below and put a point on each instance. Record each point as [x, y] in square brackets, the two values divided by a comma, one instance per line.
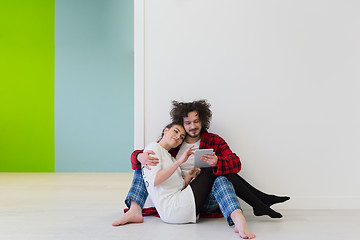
[196, 117]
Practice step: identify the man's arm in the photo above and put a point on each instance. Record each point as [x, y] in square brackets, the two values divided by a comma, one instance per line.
[139, 157]
[135, 164]
[227, 161]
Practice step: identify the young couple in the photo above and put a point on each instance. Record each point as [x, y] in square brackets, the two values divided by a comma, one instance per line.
[165, 171]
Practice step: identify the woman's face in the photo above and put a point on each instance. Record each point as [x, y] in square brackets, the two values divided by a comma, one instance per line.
[174, 136]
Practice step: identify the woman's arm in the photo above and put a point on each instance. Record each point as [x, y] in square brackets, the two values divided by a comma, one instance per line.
[164, 174]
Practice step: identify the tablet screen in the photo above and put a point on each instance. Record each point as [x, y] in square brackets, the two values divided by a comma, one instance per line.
[198, 154]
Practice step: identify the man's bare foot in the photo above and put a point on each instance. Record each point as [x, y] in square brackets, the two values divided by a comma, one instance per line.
[134, 215]
[241, 226]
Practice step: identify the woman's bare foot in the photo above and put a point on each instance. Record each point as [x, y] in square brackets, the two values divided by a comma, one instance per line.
[134, 215]
[241, 226]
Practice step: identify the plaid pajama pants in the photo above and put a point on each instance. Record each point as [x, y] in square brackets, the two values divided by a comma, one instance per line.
[137, 192]
[222, 196]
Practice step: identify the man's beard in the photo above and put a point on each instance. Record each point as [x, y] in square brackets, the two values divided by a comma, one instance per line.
[194, 136]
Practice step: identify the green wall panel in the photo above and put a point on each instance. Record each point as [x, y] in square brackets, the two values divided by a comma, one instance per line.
[27, 86]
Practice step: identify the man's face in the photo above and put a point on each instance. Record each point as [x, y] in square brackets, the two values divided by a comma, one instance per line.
[192, 124]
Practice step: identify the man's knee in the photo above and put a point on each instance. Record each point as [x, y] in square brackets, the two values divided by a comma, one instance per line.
[221, 181]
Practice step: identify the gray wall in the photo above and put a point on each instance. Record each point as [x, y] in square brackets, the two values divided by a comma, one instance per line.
[283, 81]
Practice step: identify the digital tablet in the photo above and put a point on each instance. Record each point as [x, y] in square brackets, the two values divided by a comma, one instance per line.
[198, 154]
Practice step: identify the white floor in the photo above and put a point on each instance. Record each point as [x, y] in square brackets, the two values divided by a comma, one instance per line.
[83, 206]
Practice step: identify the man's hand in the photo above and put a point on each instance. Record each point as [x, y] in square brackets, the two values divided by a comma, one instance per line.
[148, 160]
[210, 159]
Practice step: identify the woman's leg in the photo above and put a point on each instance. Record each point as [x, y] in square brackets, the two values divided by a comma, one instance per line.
[138, 192]
[201, 187]
[243, 192]
[264, 197]
[135, 201]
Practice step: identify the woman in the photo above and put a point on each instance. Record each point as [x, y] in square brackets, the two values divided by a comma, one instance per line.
[175, 199]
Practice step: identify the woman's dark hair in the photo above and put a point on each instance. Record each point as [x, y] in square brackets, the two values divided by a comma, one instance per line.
[182, 109]
[170, 125]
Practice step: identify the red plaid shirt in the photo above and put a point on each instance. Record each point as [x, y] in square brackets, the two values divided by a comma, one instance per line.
[228, 162]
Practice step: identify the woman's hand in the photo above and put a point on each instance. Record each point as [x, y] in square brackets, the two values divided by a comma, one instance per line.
[194, 172]
[184, 157]
[147, 160]
[191, 174]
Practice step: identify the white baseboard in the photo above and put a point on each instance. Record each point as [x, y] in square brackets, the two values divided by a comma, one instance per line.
[316, 203]
[308, 203]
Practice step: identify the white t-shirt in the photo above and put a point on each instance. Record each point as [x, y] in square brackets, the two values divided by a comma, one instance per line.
[173, 204]
[189, 164]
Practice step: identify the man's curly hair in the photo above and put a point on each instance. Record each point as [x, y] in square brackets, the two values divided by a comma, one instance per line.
[182, 109]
